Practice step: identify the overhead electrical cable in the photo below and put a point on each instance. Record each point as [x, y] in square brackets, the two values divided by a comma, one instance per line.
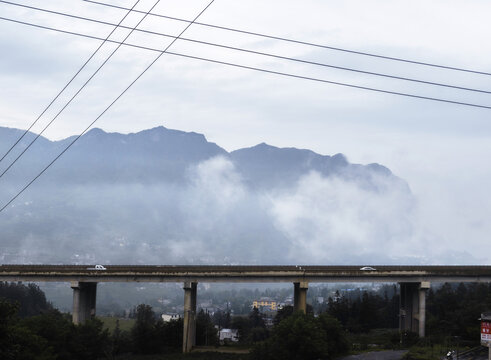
[78, 91]
[308, 62]
[103, 112]
[69, 82]
[392, 58]
[264, 70]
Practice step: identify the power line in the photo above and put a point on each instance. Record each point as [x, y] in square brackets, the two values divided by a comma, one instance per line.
[68, 83]
[261, 69]
[403, 78]
[105, 110]
[392, 58]
[78, 91]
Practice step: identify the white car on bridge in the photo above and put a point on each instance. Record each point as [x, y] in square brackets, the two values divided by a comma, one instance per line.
[97, 267]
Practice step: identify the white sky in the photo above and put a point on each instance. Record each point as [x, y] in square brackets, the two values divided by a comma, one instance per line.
[441, 150]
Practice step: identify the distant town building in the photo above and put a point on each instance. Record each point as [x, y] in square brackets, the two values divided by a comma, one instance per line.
[229, 335]
[265, 302]
[169, 317]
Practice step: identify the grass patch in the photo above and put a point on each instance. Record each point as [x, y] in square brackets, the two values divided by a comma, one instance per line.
[110, 323]
[376, 339]
[190, 356]
[425, 353]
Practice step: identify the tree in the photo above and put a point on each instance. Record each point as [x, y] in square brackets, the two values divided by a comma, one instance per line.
[56, 328]
[90, 340]
[282, 314]
[17, 341]
[170, 334]
[256, 319]
[144, 332]
[243, 326]
[335, 334]
[297, 337]
[206, 334]
[31, 298]
[8, 312]
[221, 319]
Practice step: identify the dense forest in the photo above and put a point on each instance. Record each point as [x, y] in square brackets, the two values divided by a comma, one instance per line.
[31, 329]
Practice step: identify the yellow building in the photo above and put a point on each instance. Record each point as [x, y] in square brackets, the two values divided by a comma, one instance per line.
[265, 302]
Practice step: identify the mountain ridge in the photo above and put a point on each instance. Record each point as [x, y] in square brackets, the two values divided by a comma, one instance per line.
[162, 154]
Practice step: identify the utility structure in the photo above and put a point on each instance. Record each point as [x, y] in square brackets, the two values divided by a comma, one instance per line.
[486, 331]
[414, 281]
[412, 306]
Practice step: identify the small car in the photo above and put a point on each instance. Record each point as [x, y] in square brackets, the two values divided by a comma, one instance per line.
[97, 267]
[367, 268]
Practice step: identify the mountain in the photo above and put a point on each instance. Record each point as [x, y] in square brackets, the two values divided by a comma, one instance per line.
[164, 155]
[267, 166]
[153, 155]
[166, 196]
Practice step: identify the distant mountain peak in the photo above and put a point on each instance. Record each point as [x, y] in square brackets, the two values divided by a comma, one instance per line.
[95, 132]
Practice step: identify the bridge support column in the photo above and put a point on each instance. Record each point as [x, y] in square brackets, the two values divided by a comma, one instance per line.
[84, 300]
[412, 313]
[300, 296]
[189, 334]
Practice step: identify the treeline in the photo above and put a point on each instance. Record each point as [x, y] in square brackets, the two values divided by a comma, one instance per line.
[49, 336]
[360, 311]
[303, 336]
[52, 335]
[30, 298]
[454, 309]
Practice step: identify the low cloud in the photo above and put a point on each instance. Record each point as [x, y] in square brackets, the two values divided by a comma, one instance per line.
[215, 218]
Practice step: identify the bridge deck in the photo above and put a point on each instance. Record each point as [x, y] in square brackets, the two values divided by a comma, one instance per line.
[230, 273]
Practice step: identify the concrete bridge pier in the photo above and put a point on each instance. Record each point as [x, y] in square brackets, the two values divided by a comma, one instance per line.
[412, 313]
[189, 331]
[84, 299]
[300, 296]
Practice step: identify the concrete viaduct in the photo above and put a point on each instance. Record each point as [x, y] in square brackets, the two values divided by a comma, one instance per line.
[414, 281]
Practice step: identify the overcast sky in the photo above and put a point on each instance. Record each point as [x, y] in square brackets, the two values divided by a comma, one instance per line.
[442, 150]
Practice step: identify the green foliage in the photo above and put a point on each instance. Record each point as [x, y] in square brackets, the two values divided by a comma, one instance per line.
[91, 340]
[18, 342]
[453, 310]
[364, 311]
[49, 336]
[8, 346]
[206, 334]
[144, 333]
[150, 336]
[305, 337]
[376, 339]
[282, 314]
[336, 336]
[171, 334]
[111, 323]
[222, 319]
[56, 328]
[256, 319]
[30, 298]
[243, 326]
[251, 329]
[425, 353]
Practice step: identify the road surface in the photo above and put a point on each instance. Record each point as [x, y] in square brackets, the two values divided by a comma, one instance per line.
[378, 355]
